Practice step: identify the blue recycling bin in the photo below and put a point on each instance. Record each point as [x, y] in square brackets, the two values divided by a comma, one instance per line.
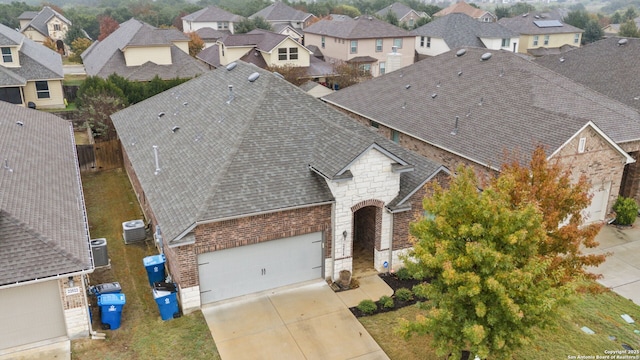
[155, 267]
[111, 310]
[167, 303]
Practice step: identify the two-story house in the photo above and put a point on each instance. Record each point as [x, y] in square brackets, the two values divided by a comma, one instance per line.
[457, 30]
[138, 51]
[405, 15]
[47, 23]
[279, 14]
[210, 17]
[462, 7]
[30, 74]
[373, 45]
[539, 31]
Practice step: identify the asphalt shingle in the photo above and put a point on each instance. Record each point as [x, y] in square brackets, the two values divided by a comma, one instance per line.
[363, 27]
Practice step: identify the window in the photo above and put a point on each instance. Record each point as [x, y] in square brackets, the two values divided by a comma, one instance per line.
[421, 41]
[365, 69]
[56, 27]
[397, 43]
[288, 53]
[410, 22]
[6, 55]
[395, 136]
[42, 89]
[535, 40]
[282, 54]
[375, 124]
[581, 145]
[546, 39]
[378, 45]
[223, 25]
[505, 42]
[293, 53]
[354, 46]
[383, 67]
[222, 48]
[576, 38]
[322, 41]
[428, 41]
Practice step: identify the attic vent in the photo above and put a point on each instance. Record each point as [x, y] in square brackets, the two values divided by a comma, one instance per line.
[277, 74]
[19, 123]
[622, 42]
[160, 114]
[232, 66]
[461, 52]
[561, 59]
[485, 56]
[253, 77]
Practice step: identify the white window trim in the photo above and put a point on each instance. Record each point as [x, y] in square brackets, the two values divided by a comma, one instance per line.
[581, 145]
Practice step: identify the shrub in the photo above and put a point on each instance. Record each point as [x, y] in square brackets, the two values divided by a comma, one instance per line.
[420, 291]
[626, 210]
[367, 306]
[404, 294]
[386, 302]
[404, 274]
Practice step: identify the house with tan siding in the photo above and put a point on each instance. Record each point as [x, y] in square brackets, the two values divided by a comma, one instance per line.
[405, 15]
[461, 7]
[46, 23]
[210, 17]
[279, 13]
[539, 32]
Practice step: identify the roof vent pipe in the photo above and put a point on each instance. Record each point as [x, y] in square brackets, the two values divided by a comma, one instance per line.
[455, 129]
[231, 96]
[155, 154]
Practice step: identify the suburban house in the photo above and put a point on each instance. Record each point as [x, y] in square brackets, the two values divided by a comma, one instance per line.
[614, 29]
[138, 51]
[403, 13]
[30, 74]
[43, 24]
[45, 252]
[610, 67]
[471, 106]
[464, 8]
[373, 45]
[210, 36]
[251, 184]
[458, 30]
[210, 17]
[540, 32]
[279, 13]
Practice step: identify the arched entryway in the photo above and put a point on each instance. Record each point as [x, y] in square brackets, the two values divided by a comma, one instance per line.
[367, 223]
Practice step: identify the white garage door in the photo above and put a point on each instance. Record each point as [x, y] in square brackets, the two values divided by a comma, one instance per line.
[247, 269]
[597, 210]
[30, 313]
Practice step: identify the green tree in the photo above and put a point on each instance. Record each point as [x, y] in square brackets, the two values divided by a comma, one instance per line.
[422, 21]
[348, 10]
[75, 32]
[9, 13]
[629, 29]
[489, 289]
[577, 18]
[521, 8]
[196, 44]
[78, 46]
[592, 32]
[502, 12]
[245, 25]
[630, 14]
[94, 86]
[97, 110]
[616, 18]
[391, 18]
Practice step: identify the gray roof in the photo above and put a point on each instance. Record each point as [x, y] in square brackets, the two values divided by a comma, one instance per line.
[105, 57]
[210, 55]
[362, 27]
[207, 33]
[459, 30]
[212, 13]
[28, 15]
[526, 25]
[43, 229]
[246, 156]
[279, 28]
[39, 22]
[504, 103]
[37, 62]
[399, 9]
[604, 66]
[279, 11]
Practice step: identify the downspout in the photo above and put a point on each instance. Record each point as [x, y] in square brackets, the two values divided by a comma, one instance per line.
[390, 265]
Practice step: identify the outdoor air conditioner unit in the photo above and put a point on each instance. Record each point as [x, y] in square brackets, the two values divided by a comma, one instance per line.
[133, 231]
[99, 252]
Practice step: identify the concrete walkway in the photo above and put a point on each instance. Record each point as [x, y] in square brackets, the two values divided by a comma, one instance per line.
[307, 321]
[621, 270]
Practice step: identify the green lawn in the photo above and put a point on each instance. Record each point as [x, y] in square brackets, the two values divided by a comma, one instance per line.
[142, 335]
[601, 313]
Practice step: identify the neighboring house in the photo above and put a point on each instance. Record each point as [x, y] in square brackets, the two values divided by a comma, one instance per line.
[459, 30]
[210, 36]
[316, 90]
[263, 185]
[614, 29]
[279, 13]
[264, 49]
[210, 17]
[539, 32]
[30, 74]
[610, 67]
[138, 51]
[47, 23]
[45, 252]
[286, 29]
[462, 109]
[464, 8]
[373, 45]
[403, 13]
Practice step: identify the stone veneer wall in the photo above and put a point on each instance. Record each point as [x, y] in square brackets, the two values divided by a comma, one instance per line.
[75, 307]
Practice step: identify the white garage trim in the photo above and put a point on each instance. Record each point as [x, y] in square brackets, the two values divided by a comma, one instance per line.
[247, 269]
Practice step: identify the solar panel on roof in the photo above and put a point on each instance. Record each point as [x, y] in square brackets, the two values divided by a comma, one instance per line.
[547, 23]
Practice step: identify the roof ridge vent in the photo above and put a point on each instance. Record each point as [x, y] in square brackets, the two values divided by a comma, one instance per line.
[623, 42]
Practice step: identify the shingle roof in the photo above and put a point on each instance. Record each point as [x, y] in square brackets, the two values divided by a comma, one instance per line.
[105, 57]
[207, 33]
[210, 55]
[525, 25]
[459, 30]
[39, 22]
[28, 15]
[212, 13]
[43, 229]
[464, 8]
[245, 156]
[400, 10]
[279, 11]
[363, 27]
[604, 66]
[506, 102]
[37, 62]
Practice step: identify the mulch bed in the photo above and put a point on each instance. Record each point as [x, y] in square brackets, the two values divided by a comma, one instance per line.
[394, 283]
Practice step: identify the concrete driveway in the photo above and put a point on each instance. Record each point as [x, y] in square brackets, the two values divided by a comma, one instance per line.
[621, 270]
[304, 322]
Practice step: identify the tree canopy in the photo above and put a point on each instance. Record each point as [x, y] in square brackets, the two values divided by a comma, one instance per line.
[629, 29]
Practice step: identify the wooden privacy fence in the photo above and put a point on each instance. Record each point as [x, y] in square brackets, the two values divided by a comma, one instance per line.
[104, 155]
